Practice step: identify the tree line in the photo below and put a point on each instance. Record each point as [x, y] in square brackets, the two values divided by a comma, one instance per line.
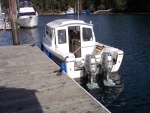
[57, 6]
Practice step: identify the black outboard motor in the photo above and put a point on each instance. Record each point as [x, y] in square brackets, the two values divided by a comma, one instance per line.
[107, 63]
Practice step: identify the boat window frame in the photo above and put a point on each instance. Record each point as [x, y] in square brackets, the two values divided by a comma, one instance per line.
[49, 32]
[63, 47]
[62, 36]
[86, 38]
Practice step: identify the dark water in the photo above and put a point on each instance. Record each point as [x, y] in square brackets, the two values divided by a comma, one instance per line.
[130, 33]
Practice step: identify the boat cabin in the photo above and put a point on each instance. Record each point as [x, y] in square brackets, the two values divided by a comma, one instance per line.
[26, 8]
[70, 36]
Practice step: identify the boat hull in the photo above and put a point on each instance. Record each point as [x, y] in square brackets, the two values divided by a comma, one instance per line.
[28, 21]
[71, 61]
[5, 26]
[86, 12]
[60, 59]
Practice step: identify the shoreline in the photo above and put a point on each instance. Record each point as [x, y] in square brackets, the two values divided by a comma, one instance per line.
[48, 14]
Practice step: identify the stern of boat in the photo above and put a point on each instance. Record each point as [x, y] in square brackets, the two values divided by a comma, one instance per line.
[117, 55]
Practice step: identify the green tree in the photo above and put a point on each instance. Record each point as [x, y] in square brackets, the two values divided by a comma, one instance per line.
[101, 6]
[62, 5]
[120, 5]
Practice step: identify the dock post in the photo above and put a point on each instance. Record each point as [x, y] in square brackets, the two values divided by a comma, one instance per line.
[14, 23]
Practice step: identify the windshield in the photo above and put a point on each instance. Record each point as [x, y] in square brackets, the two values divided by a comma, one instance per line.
[25, 3]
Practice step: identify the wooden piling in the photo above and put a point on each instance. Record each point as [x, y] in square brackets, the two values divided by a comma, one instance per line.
[14, 23]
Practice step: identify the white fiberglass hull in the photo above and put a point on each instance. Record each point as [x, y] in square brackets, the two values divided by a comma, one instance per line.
[70, 62]
[28, 21]
[5, 26]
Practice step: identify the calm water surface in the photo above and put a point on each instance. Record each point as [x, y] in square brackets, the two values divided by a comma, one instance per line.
[130, 33]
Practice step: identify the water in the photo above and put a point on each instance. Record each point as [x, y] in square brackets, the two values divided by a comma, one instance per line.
[130, 33]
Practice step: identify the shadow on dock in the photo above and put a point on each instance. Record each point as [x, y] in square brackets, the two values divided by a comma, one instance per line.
[28, 84]
[18, 100]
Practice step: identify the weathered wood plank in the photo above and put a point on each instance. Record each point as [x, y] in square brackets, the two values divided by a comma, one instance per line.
[28, 84]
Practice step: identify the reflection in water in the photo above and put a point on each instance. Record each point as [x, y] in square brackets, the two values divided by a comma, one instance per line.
[29, 36]
[26, 36]
[6, 38]
[106, 95]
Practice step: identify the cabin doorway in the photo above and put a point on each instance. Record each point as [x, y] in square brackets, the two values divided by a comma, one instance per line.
[74, 40]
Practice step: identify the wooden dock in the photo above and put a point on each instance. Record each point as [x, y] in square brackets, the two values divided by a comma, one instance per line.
[28, 84]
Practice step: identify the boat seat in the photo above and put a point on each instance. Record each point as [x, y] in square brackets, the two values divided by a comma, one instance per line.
[98, 49]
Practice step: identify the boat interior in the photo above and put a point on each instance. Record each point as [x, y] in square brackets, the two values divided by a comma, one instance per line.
[75, 42]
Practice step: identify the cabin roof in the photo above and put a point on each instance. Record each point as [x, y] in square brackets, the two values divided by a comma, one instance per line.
[66, 22]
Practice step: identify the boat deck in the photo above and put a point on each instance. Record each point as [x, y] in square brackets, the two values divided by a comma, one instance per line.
[28, 84]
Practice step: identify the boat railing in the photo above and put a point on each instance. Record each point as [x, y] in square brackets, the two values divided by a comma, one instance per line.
[77, 50]
[80, 48]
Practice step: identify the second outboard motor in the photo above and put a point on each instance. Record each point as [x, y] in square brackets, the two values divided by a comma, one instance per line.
[90, 67]
[107, 63]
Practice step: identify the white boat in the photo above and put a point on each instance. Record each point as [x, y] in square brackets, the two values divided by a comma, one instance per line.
[4, 24]
[70, 11]
[27, 16]
[72, 45]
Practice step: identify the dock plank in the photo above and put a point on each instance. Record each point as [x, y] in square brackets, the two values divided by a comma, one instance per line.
[28, 84]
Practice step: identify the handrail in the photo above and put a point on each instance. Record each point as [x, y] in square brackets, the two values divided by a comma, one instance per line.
[77, 49]
[80, 48]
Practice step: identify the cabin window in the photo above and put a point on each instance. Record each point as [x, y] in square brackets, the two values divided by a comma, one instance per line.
[25, 4]
[30, 4]
[61, 36]
[87, 34]
[27, 14]
[47, 30]
[21, 4]
[50, 33]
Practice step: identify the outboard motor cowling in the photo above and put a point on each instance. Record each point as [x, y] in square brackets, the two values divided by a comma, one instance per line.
[107, 63]
[90, 67]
